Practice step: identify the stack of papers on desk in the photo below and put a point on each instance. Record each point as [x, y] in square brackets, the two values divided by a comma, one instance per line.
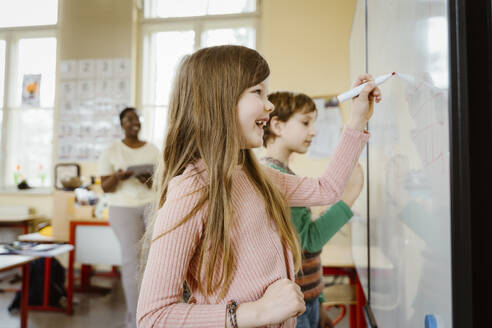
[35, 249]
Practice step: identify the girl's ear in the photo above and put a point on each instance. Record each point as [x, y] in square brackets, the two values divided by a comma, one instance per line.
[276, 126]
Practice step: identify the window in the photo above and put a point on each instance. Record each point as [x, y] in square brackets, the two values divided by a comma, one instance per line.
[28, 12]
[245, 36]
[2, 71]
[172, 29]
[27, 127]
[2, 88]
[437, 46]
[189, 8]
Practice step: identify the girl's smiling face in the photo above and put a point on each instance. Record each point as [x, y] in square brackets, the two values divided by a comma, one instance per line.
[254, 110]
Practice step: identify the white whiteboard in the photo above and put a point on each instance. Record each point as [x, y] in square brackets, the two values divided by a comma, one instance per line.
[408, 163]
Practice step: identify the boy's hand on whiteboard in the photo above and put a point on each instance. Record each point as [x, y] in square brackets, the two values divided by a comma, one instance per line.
[363, 104]
[354, 186]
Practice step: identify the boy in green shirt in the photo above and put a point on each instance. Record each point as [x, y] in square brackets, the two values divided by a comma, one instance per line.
[291, 130]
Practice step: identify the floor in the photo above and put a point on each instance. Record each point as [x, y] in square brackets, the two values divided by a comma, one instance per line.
[104, 311]
[90, 310]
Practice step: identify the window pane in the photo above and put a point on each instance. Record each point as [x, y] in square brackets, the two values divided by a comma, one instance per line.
[37, 56]
[2, 70]
[438, 50]
[1, 127]
[182, 8]
[29, 146]
[2, 81]
[218, 7]
[154, 125]
[244, 36]
[186, 8]
[170, 49]
[28, 12]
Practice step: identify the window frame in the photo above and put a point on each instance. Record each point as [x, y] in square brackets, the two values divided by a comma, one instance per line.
[198, 24]
[12, 36]
[148, 4]
[37, 26]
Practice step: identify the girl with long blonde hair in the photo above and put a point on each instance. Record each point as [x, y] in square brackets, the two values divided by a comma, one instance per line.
[223, 223]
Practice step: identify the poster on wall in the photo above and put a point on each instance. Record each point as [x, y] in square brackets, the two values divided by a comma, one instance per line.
[92, 93]
[328, 127]
[31, 84]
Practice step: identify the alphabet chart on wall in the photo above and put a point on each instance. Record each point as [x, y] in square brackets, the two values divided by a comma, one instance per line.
[92, 93]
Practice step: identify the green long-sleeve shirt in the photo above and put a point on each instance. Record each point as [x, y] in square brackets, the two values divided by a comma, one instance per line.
[313, 235]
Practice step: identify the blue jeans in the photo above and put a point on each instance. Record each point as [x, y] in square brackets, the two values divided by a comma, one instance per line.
[310, 318]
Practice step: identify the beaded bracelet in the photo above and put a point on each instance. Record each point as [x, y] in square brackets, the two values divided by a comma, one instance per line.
[231, 310]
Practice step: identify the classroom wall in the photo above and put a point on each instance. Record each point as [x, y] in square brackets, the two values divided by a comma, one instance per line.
[92, 29]
[95, 29]
[305, 42]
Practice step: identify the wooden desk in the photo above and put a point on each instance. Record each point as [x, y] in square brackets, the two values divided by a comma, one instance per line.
[339, 256]
[102, 249]
[337, 260]
[83, 253]
[8, 262]
[340, 260]
[348, 256]
[39, 238]
[19, 221]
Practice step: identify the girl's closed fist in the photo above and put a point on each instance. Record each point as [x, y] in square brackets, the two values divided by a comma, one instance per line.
[282, 300]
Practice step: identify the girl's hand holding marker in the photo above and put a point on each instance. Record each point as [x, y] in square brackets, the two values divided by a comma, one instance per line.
[363, 103]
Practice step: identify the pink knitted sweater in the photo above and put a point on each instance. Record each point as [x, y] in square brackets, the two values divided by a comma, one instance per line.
[260, 257]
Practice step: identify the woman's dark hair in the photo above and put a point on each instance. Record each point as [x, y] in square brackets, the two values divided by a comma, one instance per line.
[125, 111]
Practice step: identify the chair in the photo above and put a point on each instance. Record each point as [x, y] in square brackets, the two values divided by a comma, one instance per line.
[339, 295]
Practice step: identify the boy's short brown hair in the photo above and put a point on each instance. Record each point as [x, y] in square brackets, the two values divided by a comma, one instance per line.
[287, 104]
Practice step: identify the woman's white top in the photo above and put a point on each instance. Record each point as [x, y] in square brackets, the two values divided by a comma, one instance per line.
[130, 192]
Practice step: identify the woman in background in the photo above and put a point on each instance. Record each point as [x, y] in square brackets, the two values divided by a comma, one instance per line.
[129, 195]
